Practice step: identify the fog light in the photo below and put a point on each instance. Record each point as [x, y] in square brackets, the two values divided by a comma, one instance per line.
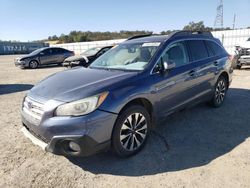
[74, 146]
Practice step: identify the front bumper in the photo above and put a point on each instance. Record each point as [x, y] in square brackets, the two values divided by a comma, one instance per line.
[245, 60]
[21, 64]
[66, 64]
[71, 64]
[91, 132]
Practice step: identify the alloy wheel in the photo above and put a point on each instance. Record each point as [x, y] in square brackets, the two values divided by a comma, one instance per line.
[133, 132]
[220, 92]
[33, 64]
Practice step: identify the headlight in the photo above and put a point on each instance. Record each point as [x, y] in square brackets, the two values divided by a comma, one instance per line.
[81, 107]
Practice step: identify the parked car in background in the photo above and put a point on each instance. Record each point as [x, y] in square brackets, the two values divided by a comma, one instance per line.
[43, 56]
[123, 94]
[86, 58]
[242, 54]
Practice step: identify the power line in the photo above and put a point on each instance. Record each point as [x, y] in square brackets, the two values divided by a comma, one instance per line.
[234, 20]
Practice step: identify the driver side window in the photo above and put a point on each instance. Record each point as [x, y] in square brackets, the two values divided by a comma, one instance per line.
[177, 53]
[46, 52]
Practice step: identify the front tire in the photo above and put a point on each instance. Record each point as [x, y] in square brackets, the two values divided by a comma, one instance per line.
[238, 66]
[131, 131]
[220, 92]
[33, 64]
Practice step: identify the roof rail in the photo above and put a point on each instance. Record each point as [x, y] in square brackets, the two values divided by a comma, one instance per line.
[184, 33]
[139, 36]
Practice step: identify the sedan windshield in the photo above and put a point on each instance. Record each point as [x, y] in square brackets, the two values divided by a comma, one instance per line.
[130, 56]
[91, 51]
[37, 51]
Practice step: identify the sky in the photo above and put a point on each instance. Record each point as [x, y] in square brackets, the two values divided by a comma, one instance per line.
[27, 20]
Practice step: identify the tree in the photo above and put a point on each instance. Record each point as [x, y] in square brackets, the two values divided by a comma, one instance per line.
[54, 37]
[168, 32]
[198, 26]
[79, 36]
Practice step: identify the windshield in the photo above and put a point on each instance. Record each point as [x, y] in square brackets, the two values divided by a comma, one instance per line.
[36, 51]
[131, 56]
[91, 51]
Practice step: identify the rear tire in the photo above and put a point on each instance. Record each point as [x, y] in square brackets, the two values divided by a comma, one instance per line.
[33, 64]
[220, 92]
[131, 131]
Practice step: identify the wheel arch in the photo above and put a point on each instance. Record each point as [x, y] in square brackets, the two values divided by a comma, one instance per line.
[226, 76]
[144, 102]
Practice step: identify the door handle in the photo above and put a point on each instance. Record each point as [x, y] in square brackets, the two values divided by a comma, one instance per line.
[192, 73]
[216, 63]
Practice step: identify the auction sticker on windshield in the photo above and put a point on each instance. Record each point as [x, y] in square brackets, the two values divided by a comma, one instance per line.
[151, 44]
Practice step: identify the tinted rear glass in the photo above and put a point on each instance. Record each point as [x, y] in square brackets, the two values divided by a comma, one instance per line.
[209, 50]
[218, 50]
[58, 51]
[197, 49]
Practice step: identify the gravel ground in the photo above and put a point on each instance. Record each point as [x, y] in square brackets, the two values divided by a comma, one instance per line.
[198, 147]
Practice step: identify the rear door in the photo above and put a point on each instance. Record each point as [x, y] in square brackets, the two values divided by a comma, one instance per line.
[58, 55]
[202, 63]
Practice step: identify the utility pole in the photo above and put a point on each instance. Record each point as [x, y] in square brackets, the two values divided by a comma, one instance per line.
[218, 23]
[234, 21]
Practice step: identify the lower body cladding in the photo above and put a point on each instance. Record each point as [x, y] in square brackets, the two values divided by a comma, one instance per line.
[72, 136]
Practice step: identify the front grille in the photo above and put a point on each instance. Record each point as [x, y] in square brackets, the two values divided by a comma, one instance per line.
[36, 135]
[33, 109]
[245, 51]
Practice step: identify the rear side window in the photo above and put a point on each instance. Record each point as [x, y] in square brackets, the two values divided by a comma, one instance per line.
[197, 49]
[57, 50]
[217, 49]
[63, 50]
[209, 50]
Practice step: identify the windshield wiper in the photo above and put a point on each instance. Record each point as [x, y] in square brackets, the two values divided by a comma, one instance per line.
[114, 69]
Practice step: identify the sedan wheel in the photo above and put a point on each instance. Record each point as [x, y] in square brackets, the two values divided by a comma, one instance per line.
[131, 131]
[33, 64]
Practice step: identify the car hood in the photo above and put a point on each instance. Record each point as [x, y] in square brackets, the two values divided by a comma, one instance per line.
[78, 83]
[24, 57]
[76, 58]
[27, 56]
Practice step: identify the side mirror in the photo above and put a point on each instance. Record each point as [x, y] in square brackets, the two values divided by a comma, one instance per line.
[167, 65]
[41, 53]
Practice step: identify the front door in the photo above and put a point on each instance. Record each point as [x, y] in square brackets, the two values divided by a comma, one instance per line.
[172, 89]
[46, 56]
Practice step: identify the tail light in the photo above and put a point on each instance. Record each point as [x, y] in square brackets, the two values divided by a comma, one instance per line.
[231, 57]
